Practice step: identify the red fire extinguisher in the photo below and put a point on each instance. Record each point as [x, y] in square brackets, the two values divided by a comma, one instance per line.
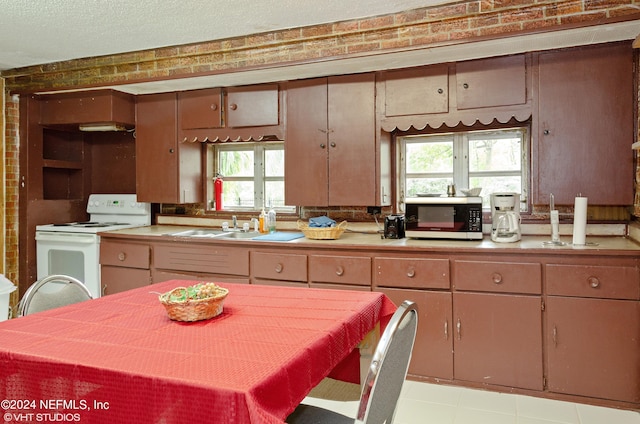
[217, 189]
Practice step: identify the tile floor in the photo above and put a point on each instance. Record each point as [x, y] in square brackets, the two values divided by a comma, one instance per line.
[423, 403]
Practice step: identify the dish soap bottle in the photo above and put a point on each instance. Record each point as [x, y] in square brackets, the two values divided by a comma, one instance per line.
[262, 218]
[271, 219]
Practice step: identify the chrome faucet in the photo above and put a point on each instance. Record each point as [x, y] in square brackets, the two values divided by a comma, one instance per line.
[235, 222]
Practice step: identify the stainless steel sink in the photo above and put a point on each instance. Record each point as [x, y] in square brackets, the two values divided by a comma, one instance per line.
[216, 233]
[238, 235]
[200, 232]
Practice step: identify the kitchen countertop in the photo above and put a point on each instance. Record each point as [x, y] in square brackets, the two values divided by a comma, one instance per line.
[368, 241]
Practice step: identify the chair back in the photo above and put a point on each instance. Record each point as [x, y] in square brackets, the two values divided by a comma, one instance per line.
[69, 290]
[388, 368]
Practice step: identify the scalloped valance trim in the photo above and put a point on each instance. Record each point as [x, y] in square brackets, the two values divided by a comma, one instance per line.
[231, 139]
[435, 122]
[230, 135]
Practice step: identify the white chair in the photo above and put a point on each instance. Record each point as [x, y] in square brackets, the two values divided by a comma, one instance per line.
[69, 290]
[385, 378]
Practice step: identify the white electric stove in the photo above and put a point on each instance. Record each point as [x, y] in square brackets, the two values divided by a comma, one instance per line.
[74, 248]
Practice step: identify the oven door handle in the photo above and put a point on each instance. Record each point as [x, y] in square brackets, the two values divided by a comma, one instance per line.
[75, 238]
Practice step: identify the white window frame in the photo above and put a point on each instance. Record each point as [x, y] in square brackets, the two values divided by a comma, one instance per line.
[259, 177]
[460, 174]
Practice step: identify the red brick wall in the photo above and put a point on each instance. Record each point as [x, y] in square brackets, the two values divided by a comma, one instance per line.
[422, 27]
[11, 170]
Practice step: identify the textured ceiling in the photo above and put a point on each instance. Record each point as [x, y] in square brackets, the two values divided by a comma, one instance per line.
[46, 31]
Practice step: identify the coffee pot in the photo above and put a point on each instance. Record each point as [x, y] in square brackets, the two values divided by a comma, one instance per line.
[505, 217]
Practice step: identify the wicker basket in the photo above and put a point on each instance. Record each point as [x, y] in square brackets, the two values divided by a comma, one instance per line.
[322, 233]
[193, 309]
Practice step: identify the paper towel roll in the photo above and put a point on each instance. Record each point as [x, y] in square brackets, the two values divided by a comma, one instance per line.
[580, 221]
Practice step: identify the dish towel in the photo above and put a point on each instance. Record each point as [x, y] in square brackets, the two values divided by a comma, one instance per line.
[280, 236]
[321, 222]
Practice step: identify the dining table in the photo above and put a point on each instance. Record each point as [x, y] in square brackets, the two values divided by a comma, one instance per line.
[121, 359]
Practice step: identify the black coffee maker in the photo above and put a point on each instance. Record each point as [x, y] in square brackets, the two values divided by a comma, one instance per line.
[394, 227]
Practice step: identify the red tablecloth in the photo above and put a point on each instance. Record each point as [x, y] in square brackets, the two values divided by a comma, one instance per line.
[119, 359]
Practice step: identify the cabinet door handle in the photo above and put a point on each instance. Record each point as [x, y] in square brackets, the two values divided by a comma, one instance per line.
[279, 268]
[233, 106]
[322, 145]
[411, 272]
[465, 85]
[496, 278]
[593, 282]
[459, 329]
[214, 106]
[440, 91]
[122, 256]
[555, 336]
[446, 330]
[333, 144]
[340, 271]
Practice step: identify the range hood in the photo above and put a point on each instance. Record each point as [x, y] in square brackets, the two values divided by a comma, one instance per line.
[102, 127]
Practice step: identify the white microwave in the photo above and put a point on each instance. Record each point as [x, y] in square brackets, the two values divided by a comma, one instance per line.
[444, 217]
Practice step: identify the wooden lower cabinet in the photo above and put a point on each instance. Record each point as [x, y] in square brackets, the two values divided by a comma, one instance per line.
[214, 263]
[593, 347]
[563, 326]
[433, 348]
[338, 269]
[116, 279]
[281, 269]
[498, 339]
[123, 266]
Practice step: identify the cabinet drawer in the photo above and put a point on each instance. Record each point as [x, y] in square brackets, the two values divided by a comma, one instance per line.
[275, 266]
[340, 269]
[126, 255]
[505, 277]
[411, 273]
[607, 282]
[203, 258]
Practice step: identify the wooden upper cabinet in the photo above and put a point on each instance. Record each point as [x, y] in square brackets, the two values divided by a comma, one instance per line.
[585, 125]
[244, 113]
[331, 149]
[497, 81]
[200, 109]
[233, 107]
[88, 107]
[168, 170]
[417, 90]
[252, 106]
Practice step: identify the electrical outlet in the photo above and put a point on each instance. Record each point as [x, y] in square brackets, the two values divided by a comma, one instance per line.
[374, 210]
